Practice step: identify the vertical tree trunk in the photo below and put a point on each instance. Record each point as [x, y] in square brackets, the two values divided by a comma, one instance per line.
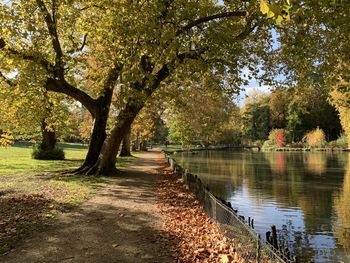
[98, 135]
[107, 160]
[97, 139]
[143, 145]
[126, 145]
[47, 147]
[49, 140]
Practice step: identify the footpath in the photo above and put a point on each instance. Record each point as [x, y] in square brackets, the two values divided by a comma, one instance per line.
[120, 223]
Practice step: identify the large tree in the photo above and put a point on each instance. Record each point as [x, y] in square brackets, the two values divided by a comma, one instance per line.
[135, 45]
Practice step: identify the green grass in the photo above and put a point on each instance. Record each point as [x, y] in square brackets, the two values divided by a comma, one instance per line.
[24, 180]
[22, 175]
[17, 159]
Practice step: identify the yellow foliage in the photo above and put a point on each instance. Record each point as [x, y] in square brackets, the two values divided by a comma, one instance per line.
[316, 138]
[6, 139]
[340, 97]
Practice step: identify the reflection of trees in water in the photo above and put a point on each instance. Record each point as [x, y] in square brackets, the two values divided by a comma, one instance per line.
[316, 162]
[342, 208]
[290, 179]
[297, 241]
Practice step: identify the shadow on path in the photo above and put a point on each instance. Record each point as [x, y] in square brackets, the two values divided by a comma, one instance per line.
[118, 224]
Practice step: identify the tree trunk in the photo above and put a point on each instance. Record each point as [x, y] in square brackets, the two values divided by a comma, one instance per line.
[143, 145]
[98, 134]
[47, 147]
[125, 151]
[107, 160]
[49, 140]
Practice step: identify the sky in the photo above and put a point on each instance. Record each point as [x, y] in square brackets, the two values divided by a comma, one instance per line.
[253, 83]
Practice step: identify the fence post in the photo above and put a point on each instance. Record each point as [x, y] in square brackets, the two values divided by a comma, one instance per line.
[274, 236]
[214, 208]
[258, 250]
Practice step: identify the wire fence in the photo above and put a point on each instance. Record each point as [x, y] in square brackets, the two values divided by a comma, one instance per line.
[248, 244]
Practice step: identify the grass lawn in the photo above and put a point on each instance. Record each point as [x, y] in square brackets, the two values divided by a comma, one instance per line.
[32, 191]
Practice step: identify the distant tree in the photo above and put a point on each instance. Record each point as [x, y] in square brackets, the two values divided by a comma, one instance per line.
[256, 118]
[204, 109]
[294, 121]
[278, 105]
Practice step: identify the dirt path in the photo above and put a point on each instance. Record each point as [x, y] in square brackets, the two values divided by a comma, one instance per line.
[119, 224]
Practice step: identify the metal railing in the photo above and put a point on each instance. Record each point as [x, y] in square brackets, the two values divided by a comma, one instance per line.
[249, 246]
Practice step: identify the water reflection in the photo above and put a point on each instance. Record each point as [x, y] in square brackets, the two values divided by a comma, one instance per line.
[305, 194]
[341, 204]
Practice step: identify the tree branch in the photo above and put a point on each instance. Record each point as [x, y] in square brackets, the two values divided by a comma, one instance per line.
[51, 26]
[250, 26]
[73, 50]
[37, 59]
[192, 54]
[65, 88]
[90, 6]
[210, 18]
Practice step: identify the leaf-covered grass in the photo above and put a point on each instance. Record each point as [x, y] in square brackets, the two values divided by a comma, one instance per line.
[32, 191]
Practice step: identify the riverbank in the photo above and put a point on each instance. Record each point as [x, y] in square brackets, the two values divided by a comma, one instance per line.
[120, 223]
[146, 214]
[308, 149]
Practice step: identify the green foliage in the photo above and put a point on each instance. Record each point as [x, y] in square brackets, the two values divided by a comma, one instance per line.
[341, 142]
[269, 145]
[275, 11]
[54, 154]
[293, 121]
[256, 118]
[278, 102]
[316, 138]
[202, 113]
[180, 132]
[315, 55]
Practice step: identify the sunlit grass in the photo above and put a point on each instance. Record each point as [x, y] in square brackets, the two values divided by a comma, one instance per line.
[22, 175]
[17, 159]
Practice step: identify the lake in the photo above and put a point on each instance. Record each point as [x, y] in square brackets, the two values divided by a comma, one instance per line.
[305, 194]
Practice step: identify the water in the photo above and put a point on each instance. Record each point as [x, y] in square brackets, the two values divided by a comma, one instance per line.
[305, 194]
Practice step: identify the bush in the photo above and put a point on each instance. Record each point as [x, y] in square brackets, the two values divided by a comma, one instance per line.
[316, 138]
[341, 142]
[280, 138]
[40, 154]
[277, 137]
[269, 145]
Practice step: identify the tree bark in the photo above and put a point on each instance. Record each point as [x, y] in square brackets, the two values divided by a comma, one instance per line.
[126, 145]
[108, 156]
[98, 134]
[49, 140]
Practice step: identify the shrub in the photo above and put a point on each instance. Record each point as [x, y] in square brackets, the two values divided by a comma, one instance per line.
[341, 142]
[268, 145]
[316, 138]
[277, 137]
[280, 138]
[40, 154]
